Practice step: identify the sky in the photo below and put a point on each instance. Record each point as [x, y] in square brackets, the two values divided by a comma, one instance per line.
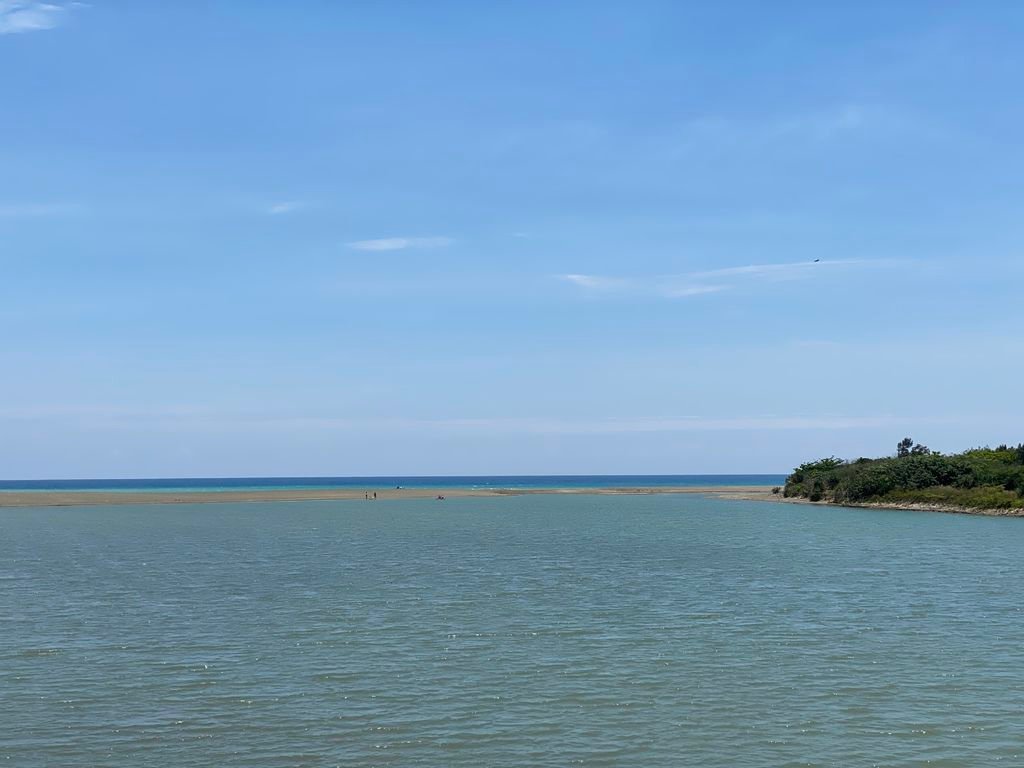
[382, 238]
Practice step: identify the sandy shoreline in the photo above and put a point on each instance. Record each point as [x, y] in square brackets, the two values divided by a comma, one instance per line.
[727, 492]
[87, 498]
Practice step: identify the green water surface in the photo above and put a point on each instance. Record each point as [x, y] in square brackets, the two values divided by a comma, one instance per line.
[519, 631]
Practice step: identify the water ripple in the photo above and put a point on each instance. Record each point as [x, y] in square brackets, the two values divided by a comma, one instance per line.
[538, 630]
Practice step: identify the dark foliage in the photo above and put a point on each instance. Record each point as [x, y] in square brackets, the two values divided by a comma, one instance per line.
[906, 447]
[975, 478]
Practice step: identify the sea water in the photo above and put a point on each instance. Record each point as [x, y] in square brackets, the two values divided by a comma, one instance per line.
[207, 484]
[514, 631]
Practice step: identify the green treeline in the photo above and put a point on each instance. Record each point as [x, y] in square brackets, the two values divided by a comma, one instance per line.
[981, 478]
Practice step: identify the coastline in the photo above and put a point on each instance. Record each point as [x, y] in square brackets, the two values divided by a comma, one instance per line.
[103, 498]
[11, 499]
[913, 506]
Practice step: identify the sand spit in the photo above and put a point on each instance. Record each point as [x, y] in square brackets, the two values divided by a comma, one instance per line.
[95, 498]
[728, 492]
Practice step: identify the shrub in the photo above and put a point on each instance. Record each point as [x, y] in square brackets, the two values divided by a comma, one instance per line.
[978, 477]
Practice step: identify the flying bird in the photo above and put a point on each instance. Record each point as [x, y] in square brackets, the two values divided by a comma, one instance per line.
[816, 261]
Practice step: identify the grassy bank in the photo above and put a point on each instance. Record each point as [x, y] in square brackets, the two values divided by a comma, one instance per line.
[981, 478]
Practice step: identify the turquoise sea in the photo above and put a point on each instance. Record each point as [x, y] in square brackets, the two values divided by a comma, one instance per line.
[514, 631]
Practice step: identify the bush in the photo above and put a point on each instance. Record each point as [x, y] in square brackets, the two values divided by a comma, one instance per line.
[975, 478]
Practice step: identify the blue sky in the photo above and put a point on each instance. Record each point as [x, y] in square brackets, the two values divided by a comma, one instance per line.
[383, 238]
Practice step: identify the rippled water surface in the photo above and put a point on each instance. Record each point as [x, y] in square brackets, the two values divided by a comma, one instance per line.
[536, 630]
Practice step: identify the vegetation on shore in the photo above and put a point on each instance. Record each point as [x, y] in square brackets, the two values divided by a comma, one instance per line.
[980, 478]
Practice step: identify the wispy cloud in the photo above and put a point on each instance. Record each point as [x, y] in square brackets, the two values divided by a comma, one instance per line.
[681, 292]
[829, 123]
[618, 426]
[832, 123]
[665, 286]
[185, 417]
[844, 121]
[612, 426]
[18, 16]
[32, 210]
[400, 243]
[597, 282]
[288, 206]
[712, 280]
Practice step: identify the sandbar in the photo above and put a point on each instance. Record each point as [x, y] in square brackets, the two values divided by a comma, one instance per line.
[103, 498]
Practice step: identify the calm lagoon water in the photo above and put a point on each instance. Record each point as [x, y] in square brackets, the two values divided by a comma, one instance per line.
[537, 630]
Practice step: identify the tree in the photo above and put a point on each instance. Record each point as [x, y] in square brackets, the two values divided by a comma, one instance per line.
[906, 447]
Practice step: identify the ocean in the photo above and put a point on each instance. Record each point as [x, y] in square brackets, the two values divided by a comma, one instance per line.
[453, 481]
[536, 630]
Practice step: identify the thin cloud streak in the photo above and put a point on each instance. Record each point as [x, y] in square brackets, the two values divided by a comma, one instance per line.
[837, 123]
[615, 426]
[400, 243]
[596, 282]
[710, 281]
[286, 207]
[191, 418]
[19, 16]
[692, 290]
[788, 268]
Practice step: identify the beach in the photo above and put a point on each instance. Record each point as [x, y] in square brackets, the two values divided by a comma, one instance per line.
[76, 498]
[86, 498]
